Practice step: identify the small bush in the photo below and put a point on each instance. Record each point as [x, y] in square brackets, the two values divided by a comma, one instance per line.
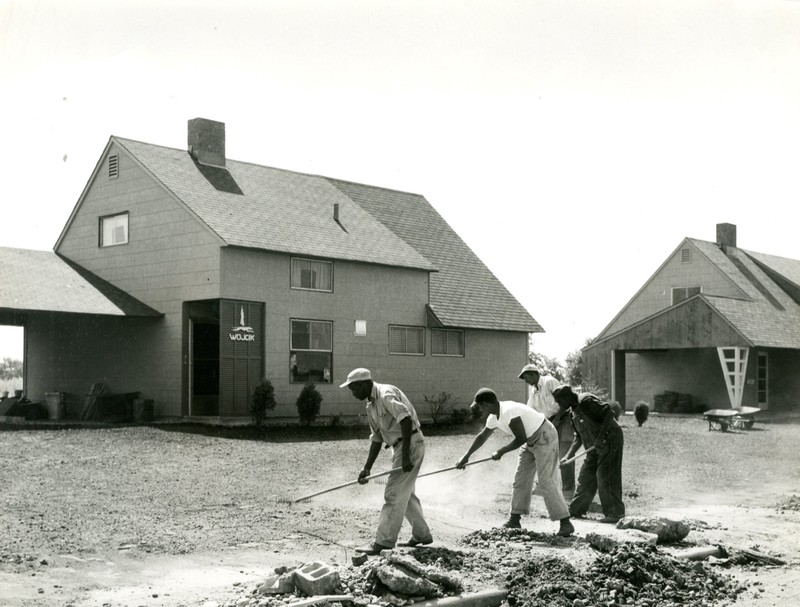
[460, 416]
[308, 403]
[440, 405]
[263, 400]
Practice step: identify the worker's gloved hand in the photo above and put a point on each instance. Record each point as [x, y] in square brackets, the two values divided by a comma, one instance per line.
[462, 463]
[564, 459]
[496, 455]
[362, 477]
[408, 465]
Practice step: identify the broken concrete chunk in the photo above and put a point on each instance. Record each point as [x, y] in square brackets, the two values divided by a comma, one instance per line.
[406, 582]
[278, 584]
[668, 531]
[447, 581]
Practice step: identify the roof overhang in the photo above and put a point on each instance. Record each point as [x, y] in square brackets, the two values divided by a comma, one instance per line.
[694, 323]
[42, 281]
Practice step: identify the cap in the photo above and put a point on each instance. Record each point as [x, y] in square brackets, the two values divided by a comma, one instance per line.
[484, 394]
[359, 374]
[527, 368]
[563, 390]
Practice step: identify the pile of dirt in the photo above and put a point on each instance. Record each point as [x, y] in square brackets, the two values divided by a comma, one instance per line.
[791, 503]
[632, 574]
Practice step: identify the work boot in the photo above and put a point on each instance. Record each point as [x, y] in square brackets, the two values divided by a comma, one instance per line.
[512, 522]
[566, 528]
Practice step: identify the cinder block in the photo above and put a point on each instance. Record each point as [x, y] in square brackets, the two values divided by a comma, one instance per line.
[278, 584]
[359, 559]
[316, 578]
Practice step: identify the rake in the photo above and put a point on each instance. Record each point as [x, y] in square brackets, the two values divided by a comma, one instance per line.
[305, 498]
[477, 461]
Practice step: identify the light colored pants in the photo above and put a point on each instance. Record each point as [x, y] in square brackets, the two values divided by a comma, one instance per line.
[539, 457]
[399, 500]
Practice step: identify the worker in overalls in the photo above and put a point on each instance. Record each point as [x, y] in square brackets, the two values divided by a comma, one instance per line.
[601, 472]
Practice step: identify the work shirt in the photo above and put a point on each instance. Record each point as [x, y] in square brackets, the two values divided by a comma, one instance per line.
[540, 396]
[531, 419]
[591, 420]
[386, 407]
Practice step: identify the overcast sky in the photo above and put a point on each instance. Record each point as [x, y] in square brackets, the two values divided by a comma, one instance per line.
[571, 144]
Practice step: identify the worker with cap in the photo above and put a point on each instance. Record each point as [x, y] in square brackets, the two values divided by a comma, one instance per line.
[601, 472]
[540, 397]
[393, 422]
[537, 441]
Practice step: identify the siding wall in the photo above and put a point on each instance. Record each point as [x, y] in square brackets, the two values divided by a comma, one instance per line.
[170, 258]
[381, 296]
[657, 293]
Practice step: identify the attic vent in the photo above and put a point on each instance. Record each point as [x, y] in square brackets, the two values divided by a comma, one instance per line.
[113, 166]
[686, 256]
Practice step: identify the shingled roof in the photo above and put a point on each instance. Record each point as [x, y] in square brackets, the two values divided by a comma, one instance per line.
[253, 206]
[768, 312]
[42, 281]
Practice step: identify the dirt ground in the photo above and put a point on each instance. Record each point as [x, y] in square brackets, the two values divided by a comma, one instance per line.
[159, 516]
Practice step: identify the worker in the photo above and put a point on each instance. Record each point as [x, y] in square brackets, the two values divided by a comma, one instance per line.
[540, 397]
[393, 422]
[537, 441]
[601, 471]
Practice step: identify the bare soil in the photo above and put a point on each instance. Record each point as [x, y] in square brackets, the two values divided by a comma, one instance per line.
[173, 515]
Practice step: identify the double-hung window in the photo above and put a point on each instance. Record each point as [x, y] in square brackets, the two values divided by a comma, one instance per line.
[311, 351]
[312, 274]
[114, 230]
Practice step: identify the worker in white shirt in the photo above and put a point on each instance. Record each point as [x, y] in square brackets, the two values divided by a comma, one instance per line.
[540, 397]
[537, 441]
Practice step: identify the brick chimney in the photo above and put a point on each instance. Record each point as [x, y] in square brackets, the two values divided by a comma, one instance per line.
[726, 235]
[207, 141]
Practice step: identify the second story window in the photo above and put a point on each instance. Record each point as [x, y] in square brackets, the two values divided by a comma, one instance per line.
[114, 230]
[680, 294]
[406, 340]
[312, 274]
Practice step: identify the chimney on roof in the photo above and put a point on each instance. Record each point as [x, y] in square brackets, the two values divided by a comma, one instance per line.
[726, 235]
[207, 141]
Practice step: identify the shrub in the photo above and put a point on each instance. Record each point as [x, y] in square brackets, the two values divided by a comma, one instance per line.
[308, 403]
[460, 416]
[440, 405]
[263, 399]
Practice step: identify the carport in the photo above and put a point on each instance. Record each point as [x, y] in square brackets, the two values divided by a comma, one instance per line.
[68, 315]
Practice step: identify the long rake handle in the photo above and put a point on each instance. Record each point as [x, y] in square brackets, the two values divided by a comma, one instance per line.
[581, 454]
[329, 489]
[477, 461]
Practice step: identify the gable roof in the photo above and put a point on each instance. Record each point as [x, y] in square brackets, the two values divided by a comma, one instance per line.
[277, 210]
[42, 281]
[767, 314]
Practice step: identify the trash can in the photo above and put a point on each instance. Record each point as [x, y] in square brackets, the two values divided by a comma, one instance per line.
[56, 404]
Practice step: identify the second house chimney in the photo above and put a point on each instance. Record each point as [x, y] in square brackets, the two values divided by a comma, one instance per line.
[207, 141]
[726, 235]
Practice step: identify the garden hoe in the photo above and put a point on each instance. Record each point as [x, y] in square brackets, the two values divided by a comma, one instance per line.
[477, 461]
[305, 498]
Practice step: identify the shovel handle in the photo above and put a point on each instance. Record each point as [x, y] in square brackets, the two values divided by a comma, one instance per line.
[329, 489]
[477, 461]
[581, 454]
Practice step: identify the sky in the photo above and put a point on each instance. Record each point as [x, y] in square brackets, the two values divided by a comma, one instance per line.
[571, 144]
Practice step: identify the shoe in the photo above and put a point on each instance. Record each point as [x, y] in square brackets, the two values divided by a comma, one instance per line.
[512, 524]
[372, 549]
[415, 542]
[611, 520]
[566, 529]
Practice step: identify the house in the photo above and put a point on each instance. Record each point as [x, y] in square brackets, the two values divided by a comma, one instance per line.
[189, 277]
[716, 323]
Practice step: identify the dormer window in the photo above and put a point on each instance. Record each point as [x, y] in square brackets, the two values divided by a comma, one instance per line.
[114, 230]
[113, 166]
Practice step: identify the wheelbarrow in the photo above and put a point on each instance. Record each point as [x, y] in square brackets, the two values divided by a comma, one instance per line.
[725, 419]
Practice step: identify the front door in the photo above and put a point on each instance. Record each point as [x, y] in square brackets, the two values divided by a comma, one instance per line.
[204, 368]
